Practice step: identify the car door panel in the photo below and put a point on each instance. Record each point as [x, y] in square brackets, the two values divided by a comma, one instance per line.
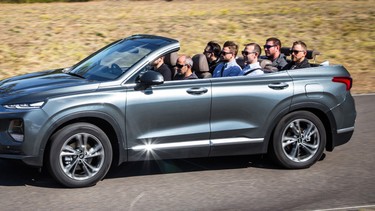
[243, 108]
[169, 120]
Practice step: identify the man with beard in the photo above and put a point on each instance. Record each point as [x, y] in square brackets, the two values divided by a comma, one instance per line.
[298, 52]
[184, 71]
[228, 66]
[272, 50]
[159, 66]
[212, 53]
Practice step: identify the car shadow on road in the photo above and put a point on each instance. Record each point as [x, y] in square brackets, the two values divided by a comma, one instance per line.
[190, 165]
[15, 173]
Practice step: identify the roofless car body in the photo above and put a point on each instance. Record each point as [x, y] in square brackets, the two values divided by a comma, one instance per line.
[111, 108]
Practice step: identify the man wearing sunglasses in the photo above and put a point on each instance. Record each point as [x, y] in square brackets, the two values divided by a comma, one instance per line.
[251, 54]
[212, 53]
[159, 66]
[184, 71]
[298, 52]
[272, 51]
[228, 66]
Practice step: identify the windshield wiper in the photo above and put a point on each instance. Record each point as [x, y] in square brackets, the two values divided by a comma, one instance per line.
[75, 74]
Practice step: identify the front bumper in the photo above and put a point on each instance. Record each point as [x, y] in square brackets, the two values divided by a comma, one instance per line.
[30, 150]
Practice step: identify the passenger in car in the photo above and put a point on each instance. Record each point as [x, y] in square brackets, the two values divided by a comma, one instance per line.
[272, 51]
[212, 53]
[159, 66]
[184, 71]
[228, 66]
[299, 60]
[251, 53]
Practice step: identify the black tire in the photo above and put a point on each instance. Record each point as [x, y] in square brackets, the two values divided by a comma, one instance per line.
[80, 155]
[299, 140]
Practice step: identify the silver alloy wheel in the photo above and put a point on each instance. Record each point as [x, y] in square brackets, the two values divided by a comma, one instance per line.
[81, 156]
[300, 140]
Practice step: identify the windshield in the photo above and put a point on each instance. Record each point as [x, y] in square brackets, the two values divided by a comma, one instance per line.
[114, 60]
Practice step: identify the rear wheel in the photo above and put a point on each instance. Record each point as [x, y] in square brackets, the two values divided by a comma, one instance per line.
[80, 155]
[299, 140]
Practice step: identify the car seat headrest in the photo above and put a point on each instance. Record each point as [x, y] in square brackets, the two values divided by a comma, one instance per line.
[171, 59]
[200, 63]
[267, 67]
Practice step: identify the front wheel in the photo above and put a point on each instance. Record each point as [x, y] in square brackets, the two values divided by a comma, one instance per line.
[299, 140]
[80, 155]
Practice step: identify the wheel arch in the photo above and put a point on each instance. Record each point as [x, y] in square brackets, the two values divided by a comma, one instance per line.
[101, 120]
[318, 109]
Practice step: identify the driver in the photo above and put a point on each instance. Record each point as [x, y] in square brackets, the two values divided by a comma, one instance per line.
[159, 66]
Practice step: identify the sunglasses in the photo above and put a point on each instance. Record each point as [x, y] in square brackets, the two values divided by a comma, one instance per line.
[204, 52]
[245, 53]
[268, 46]
[225, 53]
[179, 66]
[295, 51]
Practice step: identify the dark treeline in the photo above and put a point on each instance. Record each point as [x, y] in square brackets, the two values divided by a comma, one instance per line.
[40, 1]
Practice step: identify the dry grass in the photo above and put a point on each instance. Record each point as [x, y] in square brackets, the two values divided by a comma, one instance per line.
[43, 36]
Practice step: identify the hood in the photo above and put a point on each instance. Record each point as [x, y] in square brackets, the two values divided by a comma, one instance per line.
[41, 85]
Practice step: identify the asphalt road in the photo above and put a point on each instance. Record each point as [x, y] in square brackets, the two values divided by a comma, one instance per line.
[344, 180]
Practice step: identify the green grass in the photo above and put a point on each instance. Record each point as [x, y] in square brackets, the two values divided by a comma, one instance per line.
[43, 36]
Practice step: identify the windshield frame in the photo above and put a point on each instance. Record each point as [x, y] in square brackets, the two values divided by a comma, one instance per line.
[132, 50]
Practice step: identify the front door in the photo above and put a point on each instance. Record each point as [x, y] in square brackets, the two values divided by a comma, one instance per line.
[170, 120]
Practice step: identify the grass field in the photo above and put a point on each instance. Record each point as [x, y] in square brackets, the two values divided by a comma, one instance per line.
[43, 36]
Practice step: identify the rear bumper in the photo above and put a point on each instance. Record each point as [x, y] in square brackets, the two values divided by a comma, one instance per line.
[342, 136]
[342, 125]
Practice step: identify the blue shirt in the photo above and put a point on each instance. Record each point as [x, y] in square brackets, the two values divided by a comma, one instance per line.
[251, 67]
[231, 68]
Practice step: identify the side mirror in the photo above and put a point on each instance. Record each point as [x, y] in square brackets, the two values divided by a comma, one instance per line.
[149, 78]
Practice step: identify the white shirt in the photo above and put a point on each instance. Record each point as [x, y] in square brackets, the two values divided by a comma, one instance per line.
[251, 67]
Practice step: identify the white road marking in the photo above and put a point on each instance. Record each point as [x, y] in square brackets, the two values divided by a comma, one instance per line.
[135, 200]
[365, 94]
[348, 208]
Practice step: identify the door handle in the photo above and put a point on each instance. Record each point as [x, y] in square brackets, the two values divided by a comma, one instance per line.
[280, 85]
[197, 90]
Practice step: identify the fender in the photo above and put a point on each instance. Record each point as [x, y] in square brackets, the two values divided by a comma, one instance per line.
[325, 115]
[273, 123]
[122, 153]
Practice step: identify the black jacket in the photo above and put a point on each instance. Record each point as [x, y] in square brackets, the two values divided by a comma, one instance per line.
[165, 71]
[292, 65]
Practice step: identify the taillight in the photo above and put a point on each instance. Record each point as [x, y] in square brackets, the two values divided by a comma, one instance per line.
[348, 81]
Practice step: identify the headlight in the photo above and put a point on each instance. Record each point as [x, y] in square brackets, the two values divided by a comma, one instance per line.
[15, 130]
[25, 105]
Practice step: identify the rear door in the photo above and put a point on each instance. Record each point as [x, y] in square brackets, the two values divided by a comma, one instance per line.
[243, 108]
[169, 120]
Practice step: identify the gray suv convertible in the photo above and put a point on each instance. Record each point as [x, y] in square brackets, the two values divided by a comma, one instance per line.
[111, 108]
